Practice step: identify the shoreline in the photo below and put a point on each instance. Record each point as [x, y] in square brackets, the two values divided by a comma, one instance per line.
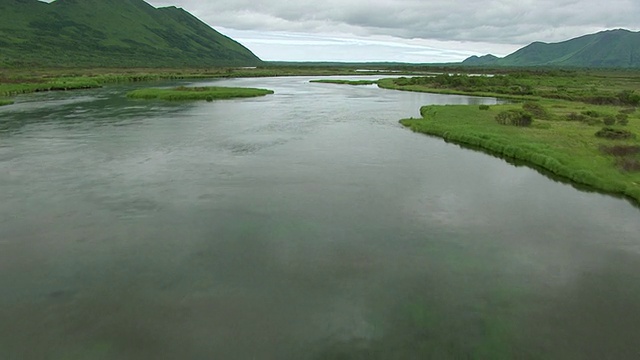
[568, 114]
[26, 82]
[445, 122]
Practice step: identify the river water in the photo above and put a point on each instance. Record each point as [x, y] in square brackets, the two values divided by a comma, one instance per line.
[307, 224]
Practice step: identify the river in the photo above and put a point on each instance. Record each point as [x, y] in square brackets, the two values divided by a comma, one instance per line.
[307, 224]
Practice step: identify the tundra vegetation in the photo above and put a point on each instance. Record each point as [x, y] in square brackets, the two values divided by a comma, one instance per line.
[577, 125]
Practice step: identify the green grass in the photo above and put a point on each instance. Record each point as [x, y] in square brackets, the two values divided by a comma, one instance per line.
[197, 93]
[4, 102]
[600, 88]
[345, 82]
[58, 84]
[392, 84]
[568, 149]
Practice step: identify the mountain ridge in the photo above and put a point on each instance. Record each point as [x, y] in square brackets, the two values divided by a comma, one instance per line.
[617, 48]
[111, 33]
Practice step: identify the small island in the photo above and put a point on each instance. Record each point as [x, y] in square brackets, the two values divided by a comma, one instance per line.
[345, 82]
[208, 93]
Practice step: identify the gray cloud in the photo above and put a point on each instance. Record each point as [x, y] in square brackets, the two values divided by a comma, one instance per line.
[495, 21]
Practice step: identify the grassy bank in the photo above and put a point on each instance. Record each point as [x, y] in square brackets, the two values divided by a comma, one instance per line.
[5, 102]
[197, 93]
[345, 82]
[561, 139]
[58, 84]
[392, 84]
[598, 88]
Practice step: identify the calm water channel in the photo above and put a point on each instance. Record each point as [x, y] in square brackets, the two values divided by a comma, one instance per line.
[303, 225]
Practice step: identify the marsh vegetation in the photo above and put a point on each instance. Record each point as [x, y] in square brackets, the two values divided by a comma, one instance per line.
[208, 93]
[345, 82]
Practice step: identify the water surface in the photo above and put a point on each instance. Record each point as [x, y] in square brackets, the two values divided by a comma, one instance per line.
[307, 224]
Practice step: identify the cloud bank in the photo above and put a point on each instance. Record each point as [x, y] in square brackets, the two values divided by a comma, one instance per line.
[495, 21]
[404, 30]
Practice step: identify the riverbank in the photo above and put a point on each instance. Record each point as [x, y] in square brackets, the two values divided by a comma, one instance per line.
[561, 139]
[621, 88]
[584, 126]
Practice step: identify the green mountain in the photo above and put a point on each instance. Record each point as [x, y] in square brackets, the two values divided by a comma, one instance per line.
[481, 60]
[607, 49]
[111, 33]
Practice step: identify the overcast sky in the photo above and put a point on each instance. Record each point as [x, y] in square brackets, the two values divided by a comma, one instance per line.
[404, 30]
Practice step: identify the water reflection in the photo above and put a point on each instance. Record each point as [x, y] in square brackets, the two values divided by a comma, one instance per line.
[69, 110]
[303, 225]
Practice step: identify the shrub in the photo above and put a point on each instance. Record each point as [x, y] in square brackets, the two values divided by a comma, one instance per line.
[483, 107]
[629, 164]
[620, 150]
[602, 100]
[536, 109]
[614, 134]
[622, 118]
[592, 113]
[576, 117]
[609, 120]
[515, 118]
[629, 97]
[209, 98]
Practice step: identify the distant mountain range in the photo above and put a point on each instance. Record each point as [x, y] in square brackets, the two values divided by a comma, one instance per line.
[111, 33]
[607, 49]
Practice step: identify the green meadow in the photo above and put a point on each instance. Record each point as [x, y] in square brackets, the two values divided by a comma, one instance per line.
[561, 139]
[578, 125]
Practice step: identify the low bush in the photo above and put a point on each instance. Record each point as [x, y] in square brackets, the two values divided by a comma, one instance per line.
[622, 118]
[576, 117]
[483, 107]
[620, 150]
[590, 120]
[629, 164]
[515, 118]
[609, 120]
[615, 134]
[629, 97]
[536, 110]
[591, 113]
